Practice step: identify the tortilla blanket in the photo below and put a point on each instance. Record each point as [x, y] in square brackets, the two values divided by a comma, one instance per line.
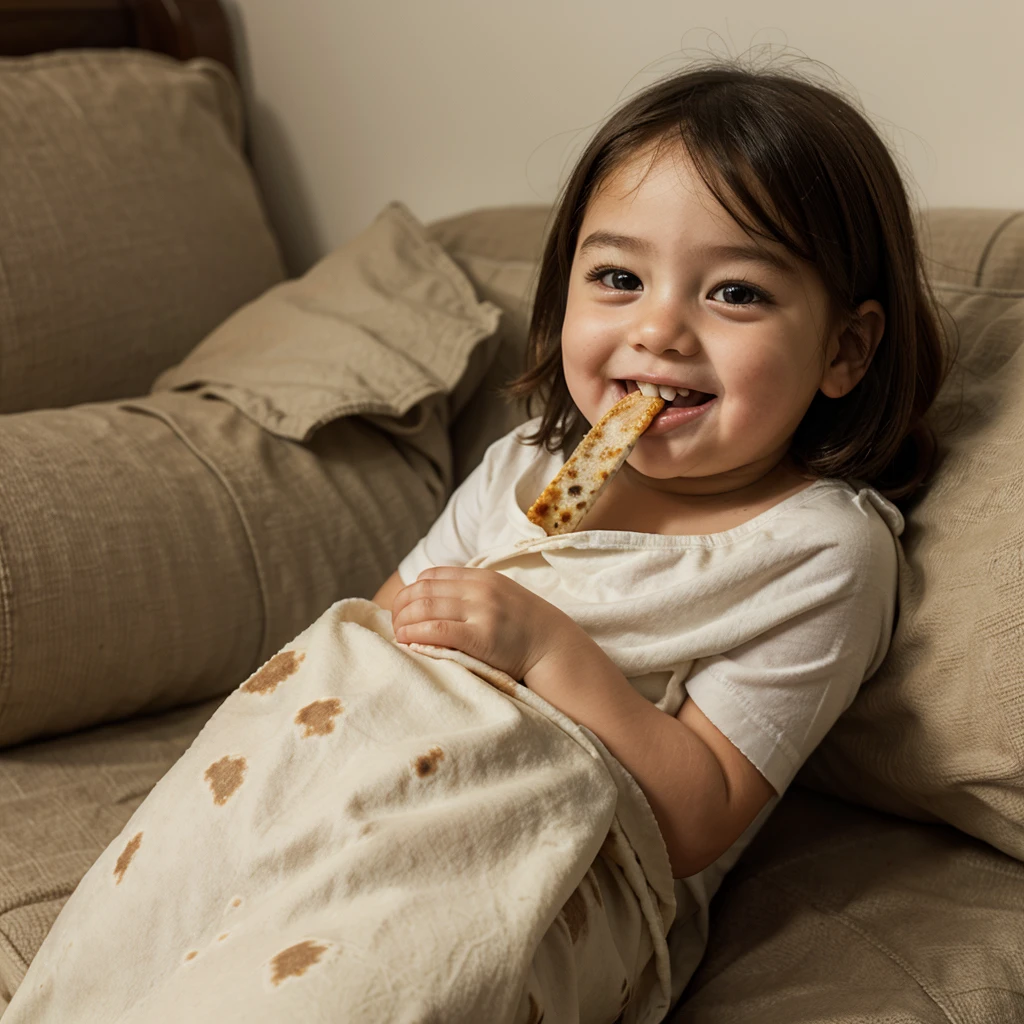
[371, 832]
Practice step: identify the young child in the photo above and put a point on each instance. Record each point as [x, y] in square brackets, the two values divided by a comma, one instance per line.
[743, 242]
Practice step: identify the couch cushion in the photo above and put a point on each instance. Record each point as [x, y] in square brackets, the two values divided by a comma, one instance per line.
[981, 248]
[376, 326]
[154, 551]
[499, 250]
[61, 803]
[939, 731]
[130, 224]
[837, 915]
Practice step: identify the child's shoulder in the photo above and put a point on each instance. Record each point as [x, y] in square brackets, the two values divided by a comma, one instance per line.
[851, 506]
[848, 521]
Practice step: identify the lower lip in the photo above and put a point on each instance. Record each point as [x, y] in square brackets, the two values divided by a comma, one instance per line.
[672, 417]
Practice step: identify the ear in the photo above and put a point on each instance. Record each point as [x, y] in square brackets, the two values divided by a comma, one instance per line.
[851, 348]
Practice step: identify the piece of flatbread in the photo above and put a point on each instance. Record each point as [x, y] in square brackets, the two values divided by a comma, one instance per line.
[572, 493]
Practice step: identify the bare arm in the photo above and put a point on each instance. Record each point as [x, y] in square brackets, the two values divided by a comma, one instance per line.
[386, 595]
[702, 790]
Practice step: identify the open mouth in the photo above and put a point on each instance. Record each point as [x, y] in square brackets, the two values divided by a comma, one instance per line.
[685, 398]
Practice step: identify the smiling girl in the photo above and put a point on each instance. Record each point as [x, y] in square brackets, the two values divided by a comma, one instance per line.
[743, 243]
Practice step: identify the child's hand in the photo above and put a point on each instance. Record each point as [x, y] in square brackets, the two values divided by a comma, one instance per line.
[483, 614]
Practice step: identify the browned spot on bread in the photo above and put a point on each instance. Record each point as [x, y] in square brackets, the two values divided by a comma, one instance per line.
[277, 670]
[426, 764]
[294, 961]
[575, 914]
[192, 954]
[221, 938]
[536, 1013]
[237, 901]
[598, 456]
[126, 856]
[318, 717]
[224, 777]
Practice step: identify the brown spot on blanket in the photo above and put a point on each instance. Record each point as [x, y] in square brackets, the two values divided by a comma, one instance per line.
[192, 954]
[426, 764]
[575, 914]
[277, 670]
[224, 777]
[126, 856]
[295, 960]
[318, 717]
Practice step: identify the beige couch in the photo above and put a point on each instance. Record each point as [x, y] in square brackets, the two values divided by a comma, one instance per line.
[198, 456]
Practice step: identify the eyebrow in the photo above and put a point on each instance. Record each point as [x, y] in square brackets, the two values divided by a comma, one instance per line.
[641, 247]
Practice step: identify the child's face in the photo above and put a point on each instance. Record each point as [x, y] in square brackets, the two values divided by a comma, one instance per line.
[669, 303]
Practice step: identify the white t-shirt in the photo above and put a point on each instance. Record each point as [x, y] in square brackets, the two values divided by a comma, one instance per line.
[770, 627]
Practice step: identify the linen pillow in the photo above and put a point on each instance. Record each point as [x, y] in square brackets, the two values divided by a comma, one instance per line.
[838, 915]
[938, 732]
[372, 329]
[499, 250]
[130, 224]
[155, 551]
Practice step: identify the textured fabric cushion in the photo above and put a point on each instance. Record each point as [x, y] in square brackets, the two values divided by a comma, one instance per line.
[61, 803]
[153, 553]
[498, 249]
[130, 225]
[841, 916]
[939, 731]
[373, 328]
[982, 248]
[155, 559]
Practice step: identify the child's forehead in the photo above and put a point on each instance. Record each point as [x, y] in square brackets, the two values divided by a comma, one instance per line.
[661, 179]
[655, 187]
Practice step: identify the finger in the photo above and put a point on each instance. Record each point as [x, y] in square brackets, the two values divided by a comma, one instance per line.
[428, 609]
[425, 587]
[437, 632]
[451, 572]
[466, 589]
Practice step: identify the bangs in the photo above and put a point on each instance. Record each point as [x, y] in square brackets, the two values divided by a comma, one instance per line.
[768, 171]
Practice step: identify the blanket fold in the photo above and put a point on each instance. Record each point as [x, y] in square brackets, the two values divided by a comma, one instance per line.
[369, 832]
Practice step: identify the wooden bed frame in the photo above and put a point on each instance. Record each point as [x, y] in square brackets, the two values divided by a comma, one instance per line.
[179, 28]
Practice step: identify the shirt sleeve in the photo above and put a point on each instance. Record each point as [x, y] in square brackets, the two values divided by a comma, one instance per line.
[777, 695]
[454, 539]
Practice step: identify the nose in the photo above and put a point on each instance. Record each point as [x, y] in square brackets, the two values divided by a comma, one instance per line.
[661, 325]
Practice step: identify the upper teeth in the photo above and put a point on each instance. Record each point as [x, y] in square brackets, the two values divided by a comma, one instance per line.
[666, 392]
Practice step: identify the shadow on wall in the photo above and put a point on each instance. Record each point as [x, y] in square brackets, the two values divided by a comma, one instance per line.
[286, 199]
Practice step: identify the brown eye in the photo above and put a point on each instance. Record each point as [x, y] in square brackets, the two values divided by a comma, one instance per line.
[621, 280]
[737, 295]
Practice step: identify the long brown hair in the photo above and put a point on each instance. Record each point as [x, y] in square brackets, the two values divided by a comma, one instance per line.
[837, 202]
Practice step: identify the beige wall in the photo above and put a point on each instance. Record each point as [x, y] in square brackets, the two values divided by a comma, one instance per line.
[453, 104]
